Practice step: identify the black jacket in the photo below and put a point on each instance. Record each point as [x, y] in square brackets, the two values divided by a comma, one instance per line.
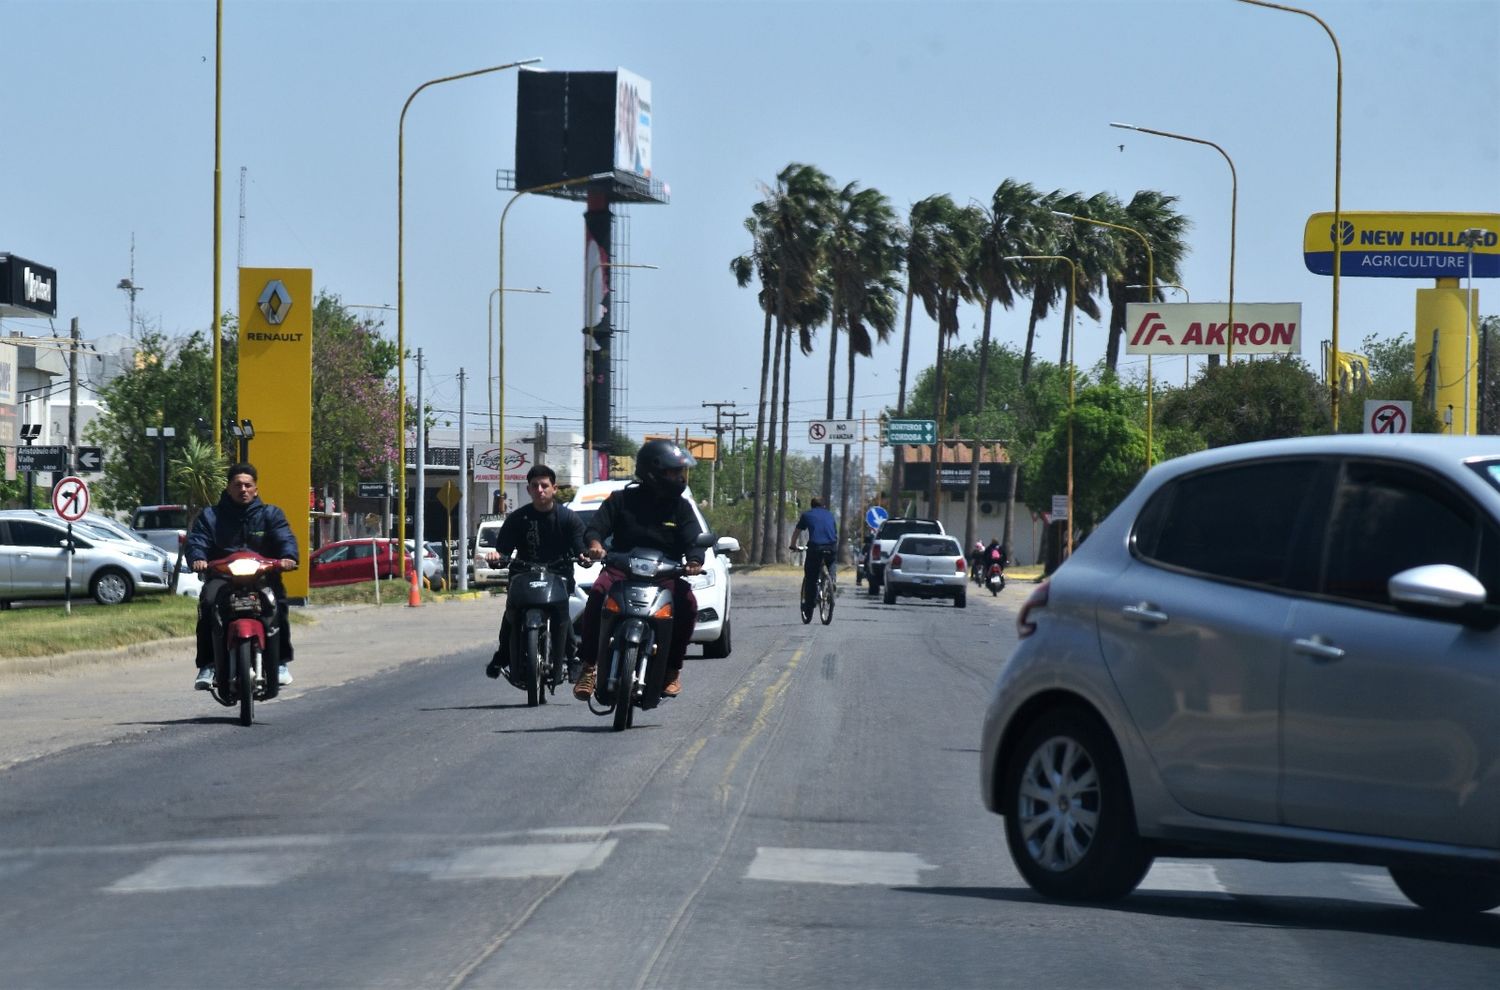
[636, 518]
[228, 526]
[540, 537]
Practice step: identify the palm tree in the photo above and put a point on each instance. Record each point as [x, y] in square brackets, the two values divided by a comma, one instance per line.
[1151, 213]
[863, 254]
[953, 286]
[198, 473]
[1011, 227]
[758, 262]
[811, 312]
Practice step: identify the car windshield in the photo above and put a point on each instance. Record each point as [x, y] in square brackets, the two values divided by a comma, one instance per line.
[161, 519]
[892, 529]
[928, 546]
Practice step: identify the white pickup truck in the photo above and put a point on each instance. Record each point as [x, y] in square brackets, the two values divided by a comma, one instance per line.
[885, 541]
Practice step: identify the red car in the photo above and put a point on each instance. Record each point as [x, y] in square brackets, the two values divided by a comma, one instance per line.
[352, 561]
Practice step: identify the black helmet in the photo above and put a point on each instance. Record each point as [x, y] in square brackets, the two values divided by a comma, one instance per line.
[656, 456]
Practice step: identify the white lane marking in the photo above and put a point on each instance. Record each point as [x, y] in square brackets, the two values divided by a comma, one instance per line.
[845, 867]
[521, 862]
[1169, 875]
[1379, 886]
[210, 872]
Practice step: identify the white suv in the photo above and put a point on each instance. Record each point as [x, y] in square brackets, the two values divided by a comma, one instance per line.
[711, 587]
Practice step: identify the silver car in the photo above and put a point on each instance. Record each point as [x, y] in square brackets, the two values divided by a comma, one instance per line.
[33, 563]
[927, 565]
[1286, 650]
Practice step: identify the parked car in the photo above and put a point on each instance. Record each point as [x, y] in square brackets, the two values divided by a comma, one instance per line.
[885, 543]
[483, 574]
[924, 565]
[34, 564]
[353, 561]
[163, 525]
[1283, 651]
[711, 587]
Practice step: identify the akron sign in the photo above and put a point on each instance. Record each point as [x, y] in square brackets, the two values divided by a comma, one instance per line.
[1179, 329]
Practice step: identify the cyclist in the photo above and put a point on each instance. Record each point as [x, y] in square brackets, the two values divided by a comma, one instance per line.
[822, 540]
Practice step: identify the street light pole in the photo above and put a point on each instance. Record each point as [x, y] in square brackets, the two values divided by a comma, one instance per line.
[1234, 199]
[401, 283]
[1469, 238]
[161, 435]
[489, 391]
[1151, 282]
[1338, 156]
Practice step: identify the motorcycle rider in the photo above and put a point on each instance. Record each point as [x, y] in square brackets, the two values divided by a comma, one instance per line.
[540, 533]
[994, 554]
[822, 540]
[240, 521]
[976, 561]
[653, 514]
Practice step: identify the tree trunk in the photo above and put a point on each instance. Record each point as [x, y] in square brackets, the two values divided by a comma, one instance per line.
[844, 529]
[898, 451]
[786, 413]
[940, 404]
[1010, 504]
[768, 551]
[757, 499]
[971, 506]
[1036, 315]
[833, 354]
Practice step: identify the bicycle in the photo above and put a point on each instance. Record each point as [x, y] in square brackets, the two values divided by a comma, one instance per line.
[824, 596]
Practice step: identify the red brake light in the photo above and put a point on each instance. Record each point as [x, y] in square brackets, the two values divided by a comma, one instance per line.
[896, 561]
[958, 566]
[874, 551]
[1037, 599]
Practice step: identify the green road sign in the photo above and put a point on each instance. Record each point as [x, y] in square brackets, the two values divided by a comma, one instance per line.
[907, 431]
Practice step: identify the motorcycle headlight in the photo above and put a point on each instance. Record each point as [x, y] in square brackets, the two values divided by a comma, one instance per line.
[704, 580]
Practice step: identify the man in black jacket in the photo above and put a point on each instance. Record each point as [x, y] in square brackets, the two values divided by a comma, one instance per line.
[651, 514]
[241, 521]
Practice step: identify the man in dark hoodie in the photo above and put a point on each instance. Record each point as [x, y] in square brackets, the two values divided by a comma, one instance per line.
[651, 514]
[241, 521]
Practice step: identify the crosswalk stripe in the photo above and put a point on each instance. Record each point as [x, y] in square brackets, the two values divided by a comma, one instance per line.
[207, 872]
[844, 867]
[520, 861]
[1167, 875]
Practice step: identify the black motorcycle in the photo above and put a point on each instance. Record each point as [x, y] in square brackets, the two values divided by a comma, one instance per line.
[536, 602]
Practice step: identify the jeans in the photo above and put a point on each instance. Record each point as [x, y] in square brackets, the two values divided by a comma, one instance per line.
[818, 554]
[684, 619]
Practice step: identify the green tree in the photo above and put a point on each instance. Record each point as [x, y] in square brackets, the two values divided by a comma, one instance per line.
[353, 396]
[1151, 213]
[1242, 401]
[1392, 378]
[1109, 454]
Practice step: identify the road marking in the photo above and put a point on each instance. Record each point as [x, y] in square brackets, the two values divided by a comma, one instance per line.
[761, 720]
[212, 871]
[1379, 886]
[842, 867]
[520, 862]
[1198, 877]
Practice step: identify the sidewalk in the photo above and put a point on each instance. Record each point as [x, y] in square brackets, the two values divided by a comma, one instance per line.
[56, 703]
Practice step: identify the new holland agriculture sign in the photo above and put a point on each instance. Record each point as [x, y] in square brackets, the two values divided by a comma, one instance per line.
[1403, 245]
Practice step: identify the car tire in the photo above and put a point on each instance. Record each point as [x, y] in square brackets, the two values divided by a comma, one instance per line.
[719, 648]
[961, 600]
[1447, 893]
[111, 586]
[1071, 829]
[890, 595]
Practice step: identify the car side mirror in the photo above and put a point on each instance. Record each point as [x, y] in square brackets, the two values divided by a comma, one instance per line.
[1445, 592]
[727, 545]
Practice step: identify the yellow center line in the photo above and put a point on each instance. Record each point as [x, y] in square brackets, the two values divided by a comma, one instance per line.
[758, 725]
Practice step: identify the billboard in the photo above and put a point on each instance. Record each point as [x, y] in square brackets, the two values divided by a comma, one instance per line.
[1203, 328]
[26, 288]
[1403, 245]
[573, 124]
[632, 123]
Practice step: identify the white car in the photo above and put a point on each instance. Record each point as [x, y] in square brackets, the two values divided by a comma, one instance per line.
[33, 563]
[484, 574]
[711, 587]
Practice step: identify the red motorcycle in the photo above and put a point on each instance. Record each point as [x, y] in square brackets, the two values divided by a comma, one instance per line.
[247, 645]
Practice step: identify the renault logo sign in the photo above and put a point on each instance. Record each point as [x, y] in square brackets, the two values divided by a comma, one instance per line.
[274, 302]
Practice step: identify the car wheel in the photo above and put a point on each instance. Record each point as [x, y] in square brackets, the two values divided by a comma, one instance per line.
[1447, 893]
[890, 595]
[719, 648]
[111, 587]
[1069, 820]
[961, 600]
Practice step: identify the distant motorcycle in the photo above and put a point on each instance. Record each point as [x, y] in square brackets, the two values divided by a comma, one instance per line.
[994, 577]
[247, 644]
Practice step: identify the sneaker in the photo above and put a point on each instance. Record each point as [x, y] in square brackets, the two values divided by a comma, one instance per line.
[673, 687]
[205, 679]
[492, 669]
[584, 689]
[283, 675]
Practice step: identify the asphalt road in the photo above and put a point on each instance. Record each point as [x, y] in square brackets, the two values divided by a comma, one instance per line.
[806, 814]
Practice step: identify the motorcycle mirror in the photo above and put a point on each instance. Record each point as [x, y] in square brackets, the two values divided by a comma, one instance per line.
[705, 540]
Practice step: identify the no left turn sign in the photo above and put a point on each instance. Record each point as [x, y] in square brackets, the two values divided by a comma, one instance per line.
[1387, 416]
[70, 498]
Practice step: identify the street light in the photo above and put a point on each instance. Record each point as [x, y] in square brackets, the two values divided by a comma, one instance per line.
[29, 433]
[162, 436]
[591, 346]
[1072, 366]
[1338, 154]
[401, 301]
[243, 432]
[1151, 284]
[1234, 198]
[1468, 238]
[489, 390]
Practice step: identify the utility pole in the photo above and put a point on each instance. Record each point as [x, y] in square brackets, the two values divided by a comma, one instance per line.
[418, 552]
[740, 432]
[719, 430]
[463, 491]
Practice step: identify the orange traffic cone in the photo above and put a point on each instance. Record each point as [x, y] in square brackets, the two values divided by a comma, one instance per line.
[414, 595]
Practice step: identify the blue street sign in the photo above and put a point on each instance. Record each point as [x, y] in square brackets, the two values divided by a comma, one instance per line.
[875, 515]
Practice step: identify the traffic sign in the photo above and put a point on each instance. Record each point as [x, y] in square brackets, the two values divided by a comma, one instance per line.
[41, 458]
[374, 489]
[70, 498]
[449, 495]
[833, 431]
[90, 459]
[875, 515]
[1059, 508]
[908, 431]
[1387, 416]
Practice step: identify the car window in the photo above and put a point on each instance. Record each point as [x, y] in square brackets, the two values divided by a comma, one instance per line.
[334, 555]
[927, 546]
[1247, 522]
[893, 529]
[1388, 518]
[161, 519]
[361, 551]
[24, 533]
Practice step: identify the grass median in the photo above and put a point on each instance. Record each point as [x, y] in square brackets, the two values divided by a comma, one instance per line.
[48, 630]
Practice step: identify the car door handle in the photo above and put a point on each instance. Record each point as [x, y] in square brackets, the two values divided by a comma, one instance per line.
[1318, 648]
[1144, 612]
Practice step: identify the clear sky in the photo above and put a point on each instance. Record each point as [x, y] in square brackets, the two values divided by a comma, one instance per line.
[108, 129]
